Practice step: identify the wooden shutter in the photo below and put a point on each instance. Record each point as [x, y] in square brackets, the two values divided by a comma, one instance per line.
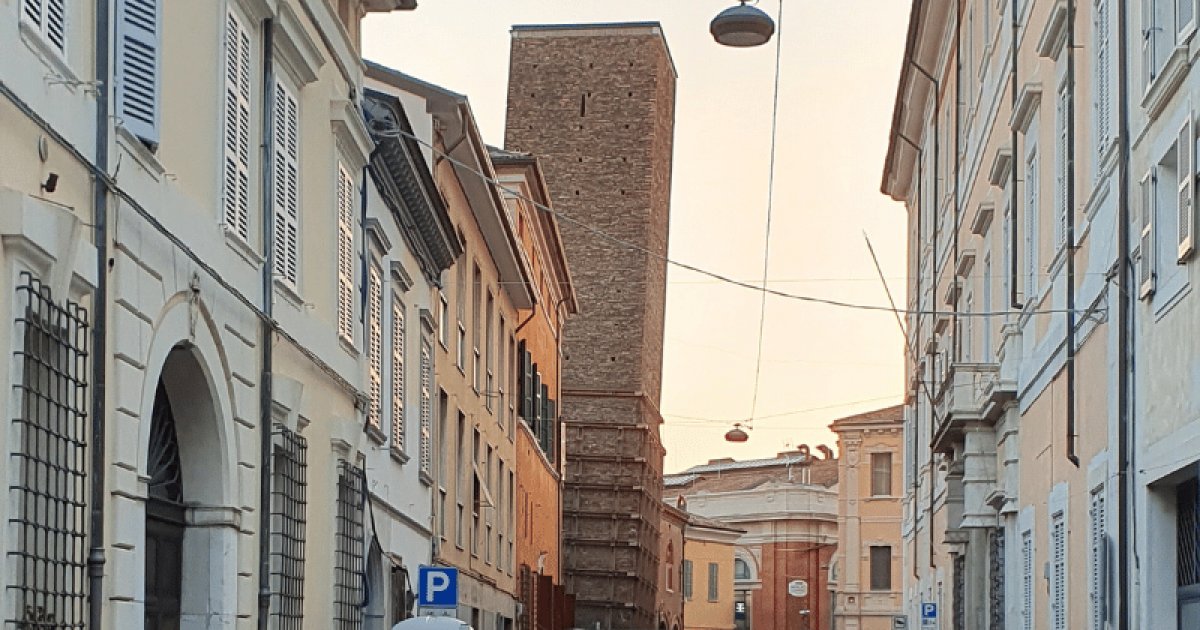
[1097, 567]
[1146, 255]
[551, 428]
[1185, 148]
[345, 254]
[1103, 87]
[287, 183]
[237, 126]
[1058, 573]
[713, 581]
[397, 374]
[527, 389]
[137, 70]
[536, 415]
[1027, 581]
[374, 345]
[1060, 174]
[49, 18]
[427, 409]
[32, 11]
[544, 429]
[1031, 229]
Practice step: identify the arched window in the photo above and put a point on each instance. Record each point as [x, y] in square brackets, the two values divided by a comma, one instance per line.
[741, 570]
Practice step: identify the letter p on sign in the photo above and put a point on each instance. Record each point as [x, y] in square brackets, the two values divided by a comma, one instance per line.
[439, 587]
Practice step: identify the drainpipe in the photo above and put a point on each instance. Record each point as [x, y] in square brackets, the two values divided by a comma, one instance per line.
[1069, 158]
[1125, 287]
[1013, 206]
[956, 348]
[268, 336]
[96, 558]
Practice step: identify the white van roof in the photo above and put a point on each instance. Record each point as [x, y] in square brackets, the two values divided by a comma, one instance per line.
[432, 623]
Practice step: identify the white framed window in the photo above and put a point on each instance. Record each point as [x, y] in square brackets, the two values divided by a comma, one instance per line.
[1145, 254]
[48, 18]
[985, 321]
[286, 182]
[1058, 571]
[427, 407]
[1165, 25]
[374, 345]
[1027, 601]
[444, 320]
[1032, 224]
[967, 343]
[345, 255]
[1097, 560]
[398, 365]
[1061, 176]
[1102, 83]
[236, 132]
[137, 71]
[1185, 155]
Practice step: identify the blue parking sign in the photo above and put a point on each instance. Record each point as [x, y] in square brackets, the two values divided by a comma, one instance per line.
[438, 587]
[928, 613]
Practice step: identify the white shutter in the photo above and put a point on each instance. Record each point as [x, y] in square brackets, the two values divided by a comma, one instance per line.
[1146, 255]
[345, 254]
[374, 344]
[1032, 241]
[1060, 173]
[397, 374]
[1102, 81]
[287, 184]
[1185, 20]
[1098, 565]
[56, 23]
[137, 70]
[1027, 580]
[1185, 147]
[237, 127]
[426, 407]
[32, 11]
[1148, 36]
[1058, 572]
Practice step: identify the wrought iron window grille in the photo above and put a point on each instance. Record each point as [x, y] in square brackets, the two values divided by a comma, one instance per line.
[289, 502]
[349, 591]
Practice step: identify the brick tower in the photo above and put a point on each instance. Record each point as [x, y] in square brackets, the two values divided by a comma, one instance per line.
[596, 103]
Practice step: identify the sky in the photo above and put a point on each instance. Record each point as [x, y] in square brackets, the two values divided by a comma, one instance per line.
[839, 64]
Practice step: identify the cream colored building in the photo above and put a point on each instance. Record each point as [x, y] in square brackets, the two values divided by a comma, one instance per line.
[707, 574]
[1006, 148]
[866, 577]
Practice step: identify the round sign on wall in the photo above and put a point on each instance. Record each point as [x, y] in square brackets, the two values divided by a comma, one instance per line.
[798, 588]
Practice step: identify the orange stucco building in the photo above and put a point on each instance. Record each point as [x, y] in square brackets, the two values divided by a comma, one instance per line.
[539, 452]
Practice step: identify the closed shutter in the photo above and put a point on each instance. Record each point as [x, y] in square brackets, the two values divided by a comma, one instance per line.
[544, 428]
[427, 408]
[551, 428]
[1146, 257]
[1027, 581]
[397, 374]
[536, 414]
[287, 183]
[527, 389]
[1060, 174]
[345, 254]
[1185, 147]
[374, 344]
[1097, 569]
[686, 578]
[1031, 229]
[1103, 73]
[1058, 573]
[49, 18]
[237, 127]
[713, 581]
[137, 71]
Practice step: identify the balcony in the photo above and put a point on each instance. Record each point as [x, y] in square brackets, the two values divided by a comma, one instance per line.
[971, 394]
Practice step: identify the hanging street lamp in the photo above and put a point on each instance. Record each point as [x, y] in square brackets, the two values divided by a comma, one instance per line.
[742, 26]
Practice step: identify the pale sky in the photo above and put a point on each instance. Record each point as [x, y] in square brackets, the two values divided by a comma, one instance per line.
[840, 63]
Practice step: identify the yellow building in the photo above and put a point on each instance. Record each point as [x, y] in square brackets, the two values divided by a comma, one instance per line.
[707, 574]
[865, 578]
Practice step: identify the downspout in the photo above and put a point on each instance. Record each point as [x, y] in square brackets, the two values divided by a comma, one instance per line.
[1013, 206]
[268, 336]
[1124, 348]
[958, 157]
[96, 558]
[1069, 158]
[933, 272]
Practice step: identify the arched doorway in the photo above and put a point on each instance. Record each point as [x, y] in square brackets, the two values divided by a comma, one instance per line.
[164, 519]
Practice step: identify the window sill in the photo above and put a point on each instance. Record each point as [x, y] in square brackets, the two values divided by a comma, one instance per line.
[140, 152]
[347, 345]
[289, 293]
[375, 433]
[399, 455]
[52, 57]
[427, 480]
[1163, 87]
[242, 248]
[882, 497]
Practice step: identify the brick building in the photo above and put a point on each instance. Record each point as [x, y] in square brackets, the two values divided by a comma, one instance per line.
[596, 104]
[787, 507]
[545, 604]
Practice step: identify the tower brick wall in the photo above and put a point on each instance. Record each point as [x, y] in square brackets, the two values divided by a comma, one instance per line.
[596, 104]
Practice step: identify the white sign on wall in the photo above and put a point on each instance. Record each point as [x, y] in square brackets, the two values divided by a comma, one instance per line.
[798, 588]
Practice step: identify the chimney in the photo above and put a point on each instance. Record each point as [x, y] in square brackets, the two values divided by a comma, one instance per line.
[826, 452]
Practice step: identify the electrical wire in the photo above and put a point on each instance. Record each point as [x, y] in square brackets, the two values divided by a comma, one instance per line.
[762, 307]
[782, 414]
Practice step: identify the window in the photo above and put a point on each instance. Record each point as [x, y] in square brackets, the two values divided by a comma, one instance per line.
[286, 199]
[741, 570]
[426, 407]
[489, 391]
[398, 410]
[374, 346]
[349, 587]
[476, 330]
[236, 178]
[670, 566]
[714, 585]
[289, 483]
[1027, 580]
[345, 253]
[47, 560]
[460, 300]
[1097, 561]
[502, 370]
[1186, 211]
[1102, 92]
[685, 578]
[137, 68]
[967, 343]
[881, 474]
[881, 568]
[49, 19]
[986, 307]
[1058, 572]
[1032, 220]
[1145, 255]
[1165, 25]
[1060, 171]
[444, 327]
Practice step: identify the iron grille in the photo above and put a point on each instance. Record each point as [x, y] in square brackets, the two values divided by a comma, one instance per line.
[960, 592]
[289, 491]
[1188, 527]
[402, 595]
[996, 583]
[48, 485]
[349, 590]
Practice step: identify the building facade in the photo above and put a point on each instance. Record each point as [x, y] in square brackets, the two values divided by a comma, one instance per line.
[866, 574]
[1011, 151]
[595, 103]
[707, 574]
[787, 507]
[670, 597]
[538, 357]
